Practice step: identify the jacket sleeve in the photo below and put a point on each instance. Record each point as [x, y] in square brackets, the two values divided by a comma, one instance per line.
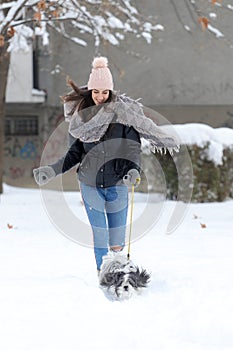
[71, 158]
[133, 148]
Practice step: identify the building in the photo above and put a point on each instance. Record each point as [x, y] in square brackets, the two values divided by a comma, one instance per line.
[185, 74]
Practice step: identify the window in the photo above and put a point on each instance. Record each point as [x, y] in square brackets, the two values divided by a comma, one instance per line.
[21, 126]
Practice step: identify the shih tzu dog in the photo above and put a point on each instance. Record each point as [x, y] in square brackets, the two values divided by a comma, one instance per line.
[121, 277]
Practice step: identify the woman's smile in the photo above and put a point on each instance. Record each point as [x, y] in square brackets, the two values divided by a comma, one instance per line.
[100, 96]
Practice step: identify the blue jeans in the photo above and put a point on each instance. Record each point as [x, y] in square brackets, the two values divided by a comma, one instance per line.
[107, 213]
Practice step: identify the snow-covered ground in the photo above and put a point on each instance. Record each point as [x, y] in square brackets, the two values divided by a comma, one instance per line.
[50, 298]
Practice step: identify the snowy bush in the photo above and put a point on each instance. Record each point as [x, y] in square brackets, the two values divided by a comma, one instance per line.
[211, 154]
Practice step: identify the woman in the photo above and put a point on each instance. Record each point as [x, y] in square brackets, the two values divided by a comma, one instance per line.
[106, 128]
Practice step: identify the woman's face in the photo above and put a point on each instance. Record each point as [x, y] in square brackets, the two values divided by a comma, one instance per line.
[99, 96]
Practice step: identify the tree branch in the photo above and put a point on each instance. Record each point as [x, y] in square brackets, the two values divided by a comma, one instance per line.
[32, 20]
[12, 14]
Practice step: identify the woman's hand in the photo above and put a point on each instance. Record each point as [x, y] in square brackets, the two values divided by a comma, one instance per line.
[43, 175]
[132, 178]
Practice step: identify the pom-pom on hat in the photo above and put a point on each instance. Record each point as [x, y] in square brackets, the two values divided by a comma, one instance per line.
[100, 77]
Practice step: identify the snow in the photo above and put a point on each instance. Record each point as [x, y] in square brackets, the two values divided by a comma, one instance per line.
[216, 31]
[147, 36]
[7, 5]
[94, 1]
[37, 92]
[18, 5]
[42, 31]
[104, 25]
[114, 22]
[21, 40]
[49, 293]
[148, 27]
[78, 41]
[187, 28]
[201, 135]
[213, 15]
[131, 8]
[111, 38]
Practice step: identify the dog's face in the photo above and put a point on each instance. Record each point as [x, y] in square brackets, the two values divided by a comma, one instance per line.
[121, 277]
[124, 284]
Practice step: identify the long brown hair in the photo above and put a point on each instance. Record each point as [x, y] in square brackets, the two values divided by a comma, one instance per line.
[82, 99]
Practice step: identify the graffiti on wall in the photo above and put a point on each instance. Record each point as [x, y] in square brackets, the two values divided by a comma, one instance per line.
[23, 153]
[20, 153]
[16, 172]
[16, 148]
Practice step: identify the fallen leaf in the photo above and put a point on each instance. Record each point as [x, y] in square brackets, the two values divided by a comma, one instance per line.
[204, 22]
[55, 13]
[41, 5]
[11, 32]
[37, 16]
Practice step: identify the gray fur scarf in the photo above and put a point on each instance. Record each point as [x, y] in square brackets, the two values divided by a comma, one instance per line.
[125, 111]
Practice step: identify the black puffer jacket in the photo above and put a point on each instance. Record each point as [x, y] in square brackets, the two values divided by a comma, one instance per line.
[104, 163]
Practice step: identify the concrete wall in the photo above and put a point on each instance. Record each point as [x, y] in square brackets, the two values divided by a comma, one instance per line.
[179, 68]
[20, 80]
[22, 153]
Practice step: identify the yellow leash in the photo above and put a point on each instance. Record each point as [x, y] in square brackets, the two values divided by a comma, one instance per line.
[131, 218]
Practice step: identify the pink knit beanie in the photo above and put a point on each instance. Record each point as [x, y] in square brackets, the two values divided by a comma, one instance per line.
[100, 77]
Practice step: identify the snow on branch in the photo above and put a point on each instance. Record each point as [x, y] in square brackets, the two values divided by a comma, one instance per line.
[15, 9]
[205, 12]
[107, 20]
[21, 39]
[103, 20]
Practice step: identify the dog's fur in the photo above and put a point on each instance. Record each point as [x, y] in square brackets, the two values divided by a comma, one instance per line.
[121, 277]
